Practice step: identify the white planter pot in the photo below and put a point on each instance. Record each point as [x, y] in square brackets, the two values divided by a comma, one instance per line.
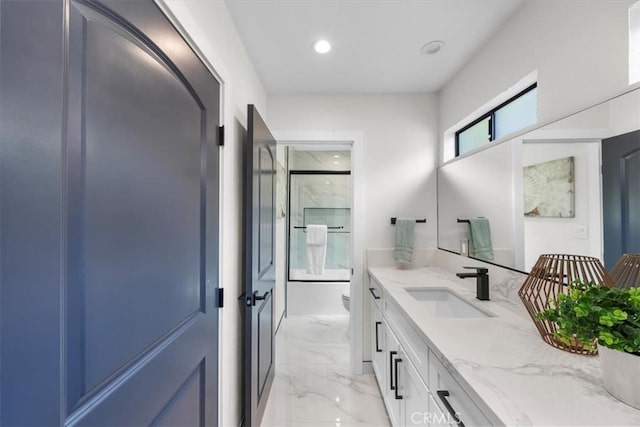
[621, 375]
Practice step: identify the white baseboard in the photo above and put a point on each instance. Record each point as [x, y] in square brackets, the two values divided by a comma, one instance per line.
[367, 367]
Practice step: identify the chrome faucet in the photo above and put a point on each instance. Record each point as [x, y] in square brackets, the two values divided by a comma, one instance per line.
[482, 281]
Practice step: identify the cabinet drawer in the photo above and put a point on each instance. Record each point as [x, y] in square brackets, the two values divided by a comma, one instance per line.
[450, 396]
[393, 352]
[378, 345]
[415, 394]
[375, 292]
[414, 346]
[436, 417]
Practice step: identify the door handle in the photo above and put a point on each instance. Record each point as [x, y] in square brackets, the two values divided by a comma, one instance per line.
[257, 297]
[397, 388]
[391, 353]
[443, 394]
[378, 350]
[372, 293]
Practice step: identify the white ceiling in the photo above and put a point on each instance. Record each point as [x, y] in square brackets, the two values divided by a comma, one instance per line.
[376, 43]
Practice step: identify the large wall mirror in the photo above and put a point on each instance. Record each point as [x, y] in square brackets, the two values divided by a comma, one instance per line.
[571, 186]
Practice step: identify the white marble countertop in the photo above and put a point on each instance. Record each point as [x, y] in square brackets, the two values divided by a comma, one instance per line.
[502, 363]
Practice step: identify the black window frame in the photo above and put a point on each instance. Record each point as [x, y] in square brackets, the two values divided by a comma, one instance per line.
[492, 118]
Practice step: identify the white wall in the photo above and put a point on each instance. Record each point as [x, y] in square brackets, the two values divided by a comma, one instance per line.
[579, 49]
[624, 113]
[209, 25]
[634, 43]
[400, 148]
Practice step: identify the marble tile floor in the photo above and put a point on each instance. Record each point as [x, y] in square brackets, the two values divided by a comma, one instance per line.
[313, 385]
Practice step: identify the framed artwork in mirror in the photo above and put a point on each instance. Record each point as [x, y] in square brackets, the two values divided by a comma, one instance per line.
[549, 189]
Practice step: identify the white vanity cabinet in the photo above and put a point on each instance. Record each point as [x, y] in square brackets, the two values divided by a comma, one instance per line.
[452, 366]
[405, 393]
[417, 389]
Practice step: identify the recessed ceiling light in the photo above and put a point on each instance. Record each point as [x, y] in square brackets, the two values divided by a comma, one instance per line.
[336, 162]
[322, 46]
[432, 47]
[336, 156]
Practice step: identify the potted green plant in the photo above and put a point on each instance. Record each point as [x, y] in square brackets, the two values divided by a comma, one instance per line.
[592, 313]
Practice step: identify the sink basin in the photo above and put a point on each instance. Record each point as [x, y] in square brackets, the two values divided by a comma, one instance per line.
[444, 303]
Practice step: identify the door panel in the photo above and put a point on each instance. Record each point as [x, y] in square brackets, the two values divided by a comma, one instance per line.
[265, 343]
[30, 118]
[267, 210]
[141, 154]
[135, 302]
[259, 266]
[621, 196]
[183, 408]
[154, 388]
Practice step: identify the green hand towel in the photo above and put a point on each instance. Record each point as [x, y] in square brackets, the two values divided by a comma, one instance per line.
[480, 239]
[405, 237]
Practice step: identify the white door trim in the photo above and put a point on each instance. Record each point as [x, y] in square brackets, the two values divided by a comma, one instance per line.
[356, 311]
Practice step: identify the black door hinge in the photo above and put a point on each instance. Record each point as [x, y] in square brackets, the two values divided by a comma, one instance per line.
[221, 136]
[220, 297]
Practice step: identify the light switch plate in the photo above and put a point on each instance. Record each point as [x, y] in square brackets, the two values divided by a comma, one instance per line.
[580, 232]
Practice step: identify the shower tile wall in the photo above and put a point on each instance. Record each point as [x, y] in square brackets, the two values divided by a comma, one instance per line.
[321, 199]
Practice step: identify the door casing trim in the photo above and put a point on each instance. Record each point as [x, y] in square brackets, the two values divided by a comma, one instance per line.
[356, 141]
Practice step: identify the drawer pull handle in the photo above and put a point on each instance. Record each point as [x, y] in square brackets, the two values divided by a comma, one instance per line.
[398, 396]
[443, 394]
[378, 350]
[373, 293]
[391, 354]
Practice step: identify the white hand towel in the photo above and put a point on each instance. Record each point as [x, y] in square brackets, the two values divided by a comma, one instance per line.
[316, 248]
[316, 234]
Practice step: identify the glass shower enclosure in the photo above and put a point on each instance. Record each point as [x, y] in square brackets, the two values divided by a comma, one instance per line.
[320, 198]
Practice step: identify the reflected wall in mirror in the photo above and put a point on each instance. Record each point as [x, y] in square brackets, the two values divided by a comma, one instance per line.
[489, 183]
[478, 186]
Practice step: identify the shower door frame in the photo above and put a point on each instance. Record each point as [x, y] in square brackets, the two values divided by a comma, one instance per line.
[288, 263]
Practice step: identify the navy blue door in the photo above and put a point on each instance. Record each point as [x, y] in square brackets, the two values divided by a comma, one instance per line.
[260, 190]
[109, 218]
[621, 196]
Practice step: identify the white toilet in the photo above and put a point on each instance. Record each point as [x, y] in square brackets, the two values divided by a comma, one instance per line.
[346, 300]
